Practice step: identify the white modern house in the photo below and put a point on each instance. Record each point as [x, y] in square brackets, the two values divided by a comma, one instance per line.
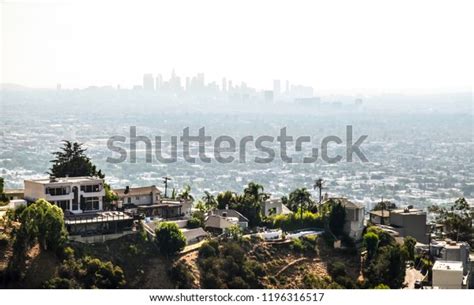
[274, 206]
[76, 195]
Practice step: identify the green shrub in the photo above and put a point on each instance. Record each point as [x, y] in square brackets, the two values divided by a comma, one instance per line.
[382, 286]
[337, 269]
[3, 240]
[207, 250]
[98, 274]
[169, 238]
[272, 280]
[133, 250]
[297, 245]
[345, 281]
[194, 223]
[312, 281]
[181, 276]
[292, 222]
[60, 283]
[229, 267]
[309, 243]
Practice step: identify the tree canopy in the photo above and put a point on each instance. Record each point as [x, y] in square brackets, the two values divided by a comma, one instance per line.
[226, 199]
[72, 161]
[386, 260]
[300, 199]
[371, 243]
[458, 220]
[169, 239]
[42, 222]
[185, 193]
[3, 198]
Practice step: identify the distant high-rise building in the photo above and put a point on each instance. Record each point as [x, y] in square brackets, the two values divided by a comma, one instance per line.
[276, 88]
[148, 83]
[287, 89]
[188, 84]
[200, 80]
[224, 85]
[158, 82]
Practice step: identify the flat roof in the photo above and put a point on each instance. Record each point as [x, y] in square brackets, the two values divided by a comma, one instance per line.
[96, 217]
[448, 265]
[13, 191]
[380, 213]
[408, 211]
[159, 205]
[66, 180]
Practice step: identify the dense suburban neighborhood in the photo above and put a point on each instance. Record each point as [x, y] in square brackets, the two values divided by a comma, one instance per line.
[67, 219]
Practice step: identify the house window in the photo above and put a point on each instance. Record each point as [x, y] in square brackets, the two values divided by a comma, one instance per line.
[92, 188]
[129, 200]
[137, 198]
[57, 191]
[63, 204]
[91, 203]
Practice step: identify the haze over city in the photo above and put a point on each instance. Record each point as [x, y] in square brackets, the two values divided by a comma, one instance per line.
[361, 47]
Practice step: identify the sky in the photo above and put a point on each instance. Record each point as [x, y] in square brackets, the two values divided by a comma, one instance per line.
[334, 46]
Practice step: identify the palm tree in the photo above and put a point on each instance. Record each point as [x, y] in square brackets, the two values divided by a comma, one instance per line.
[185, 193]
[226, 199]
[318, 184]
[209, 201]
[250, 202]
[201, 206]
[301, 198]
[255, 191]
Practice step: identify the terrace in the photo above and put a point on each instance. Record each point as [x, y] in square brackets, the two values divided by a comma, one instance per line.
[99, 223]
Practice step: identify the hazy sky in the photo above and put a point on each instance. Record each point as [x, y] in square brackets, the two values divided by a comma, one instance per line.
[331, 45]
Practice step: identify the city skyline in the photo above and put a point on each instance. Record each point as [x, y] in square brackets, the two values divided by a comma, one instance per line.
[311, 44]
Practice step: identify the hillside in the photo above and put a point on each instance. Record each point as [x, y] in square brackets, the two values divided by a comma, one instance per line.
[282, 264]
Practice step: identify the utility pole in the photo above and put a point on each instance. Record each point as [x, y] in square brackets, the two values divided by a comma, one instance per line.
[165, 181]
[382, 222]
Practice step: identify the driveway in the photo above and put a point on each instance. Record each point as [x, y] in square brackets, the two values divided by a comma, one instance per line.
[411, 276]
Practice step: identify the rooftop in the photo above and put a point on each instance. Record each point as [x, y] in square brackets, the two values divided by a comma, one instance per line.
[191, 234]
[347, 203]
[230, 213]
[448, 265]
[408, 211]
[216, 221]
[13, 191]
[380, 213]
[135, 191]
[65, 180]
